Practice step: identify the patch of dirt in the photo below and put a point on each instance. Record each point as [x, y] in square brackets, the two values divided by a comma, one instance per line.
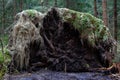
[50, 75]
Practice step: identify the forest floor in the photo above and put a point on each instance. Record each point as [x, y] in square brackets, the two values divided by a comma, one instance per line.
[50, 75]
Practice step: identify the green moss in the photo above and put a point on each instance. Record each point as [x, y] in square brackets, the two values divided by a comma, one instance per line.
[90, 27]
[31, 13]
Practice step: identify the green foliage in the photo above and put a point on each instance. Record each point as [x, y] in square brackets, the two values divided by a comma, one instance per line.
[117, 56]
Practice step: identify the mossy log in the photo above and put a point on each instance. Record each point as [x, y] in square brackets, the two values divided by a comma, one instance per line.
[61, 40]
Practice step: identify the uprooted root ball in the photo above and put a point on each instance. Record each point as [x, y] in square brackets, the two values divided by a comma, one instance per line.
[60, 40]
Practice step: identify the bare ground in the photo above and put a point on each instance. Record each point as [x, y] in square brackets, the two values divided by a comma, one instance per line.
[50, 75]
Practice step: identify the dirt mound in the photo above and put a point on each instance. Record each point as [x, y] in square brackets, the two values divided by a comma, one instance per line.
[60, 40]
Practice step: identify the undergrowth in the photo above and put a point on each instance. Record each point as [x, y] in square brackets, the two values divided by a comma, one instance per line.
[4, 56]
[4, 61]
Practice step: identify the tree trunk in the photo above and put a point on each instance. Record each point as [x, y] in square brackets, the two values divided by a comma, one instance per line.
[104, 6]
[27, 4]
[95, 9]
[3, 17]
[67, 3]
[55, 4]
[115, 22]
[14, 10]
[21, 5]
[46, 3]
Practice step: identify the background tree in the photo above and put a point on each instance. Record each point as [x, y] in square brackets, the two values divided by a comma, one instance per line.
[115, 22]
[3, 14]
[67, 3]
[46, 3]
[14, 8]
[21, 5]
[95, 8]
[104, 7]
[55, 3]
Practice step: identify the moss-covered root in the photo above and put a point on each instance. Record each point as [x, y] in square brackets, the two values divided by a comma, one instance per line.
[89, 27]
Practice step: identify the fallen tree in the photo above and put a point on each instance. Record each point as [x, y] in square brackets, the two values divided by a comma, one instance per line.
[60, 40]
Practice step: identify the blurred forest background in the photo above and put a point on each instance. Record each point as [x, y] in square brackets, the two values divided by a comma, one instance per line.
[108, 10]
